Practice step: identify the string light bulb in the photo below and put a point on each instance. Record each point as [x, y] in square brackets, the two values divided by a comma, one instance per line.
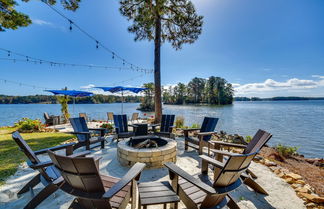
[70, 25]
[97, 44]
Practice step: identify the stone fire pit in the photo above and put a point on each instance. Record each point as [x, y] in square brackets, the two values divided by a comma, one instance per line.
[154, 151]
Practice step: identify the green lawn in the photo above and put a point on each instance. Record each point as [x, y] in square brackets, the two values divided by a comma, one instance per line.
[11, 156]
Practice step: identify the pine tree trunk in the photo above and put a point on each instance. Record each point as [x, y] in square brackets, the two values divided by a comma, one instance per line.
[157, 70]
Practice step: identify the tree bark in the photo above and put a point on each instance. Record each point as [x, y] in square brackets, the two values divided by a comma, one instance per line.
[157, 70]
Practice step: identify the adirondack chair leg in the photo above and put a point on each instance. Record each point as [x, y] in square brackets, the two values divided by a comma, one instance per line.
[87, 145]
[186, 145]
[251, 174]
[231, 203]
[103, 144]
[41, 196]
[33, 182]
[255, 186]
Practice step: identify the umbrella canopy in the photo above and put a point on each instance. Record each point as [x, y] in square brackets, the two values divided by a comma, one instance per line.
[72, 93]
[122, 89]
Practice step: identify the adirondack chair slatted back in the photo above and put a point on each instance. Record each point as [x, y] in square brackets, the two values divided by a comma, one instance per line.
[134, 116]
[120, 122]
[80, 125]
[257, 142]
[24, 147]
[208, 125]
[110, 116]
[166, 122]
[229, 175]
[46, 116]
[82, 174]
[83, 115]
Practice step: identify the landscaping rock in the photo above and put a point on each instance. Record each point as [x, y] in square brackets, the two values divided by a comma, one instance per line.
[312, 197]
[269, 163]
[293, 176]
[289, 180]
[303, 190]
[310, 205]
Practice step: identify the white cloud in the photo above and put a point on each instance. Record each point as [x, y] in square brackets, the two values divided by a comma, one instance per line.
[89, 86]
[318, 76]
[271, 85]
[41, 22]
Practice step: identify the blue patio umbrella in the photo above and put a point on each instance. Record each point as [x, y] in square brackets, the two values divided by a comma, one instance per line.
[122, 89]
[72, 93]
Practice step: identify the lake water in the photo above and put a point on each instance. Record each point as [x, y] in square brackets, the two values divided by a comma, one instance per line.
[294, 123]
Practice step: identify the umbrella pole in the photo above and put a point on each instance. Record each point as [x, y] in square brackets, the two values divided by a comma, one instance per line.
[73, 106]
[122, 108]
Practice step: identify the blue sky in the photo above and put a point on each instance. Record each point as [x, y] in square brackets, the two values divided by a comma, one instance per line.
[265, 48]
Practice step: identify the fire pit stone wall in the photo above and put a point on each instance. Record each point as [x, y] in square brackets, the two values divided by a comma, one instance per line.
[152, 157]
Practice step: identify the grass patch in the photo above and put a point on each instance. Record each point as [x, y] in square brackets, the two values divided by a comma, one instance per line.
[11, 156]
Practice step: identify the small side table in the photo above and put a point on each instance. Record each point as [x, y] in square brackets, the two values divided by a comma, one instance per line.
[154, 193]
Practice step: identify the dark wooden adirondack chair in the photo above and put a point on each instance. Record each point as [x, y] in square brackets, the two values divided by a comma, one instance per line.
[84, 115]
[83, 134]
[82, 180]
[205, 133]
[51, 120]
[121, 127]
[200, 191]
[166, 126]
[257, 142]
[47, 172]
[134, 117]
[110, 116]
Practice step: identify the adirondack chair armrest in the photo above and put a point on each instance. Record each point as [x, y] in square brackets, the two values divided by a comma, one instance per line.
[41, 165]
[189, 129]
[80, 132]
[134, 172]
[212, 161]
[59, 147]
[80, 154]
[96, 129]
[206, 133]
[222, 152]
[198, 183]
[228, 144]
[133, 125]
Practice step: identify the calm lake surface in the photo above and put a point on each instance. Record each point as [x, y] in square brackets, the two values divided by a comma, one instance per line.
[294, 123]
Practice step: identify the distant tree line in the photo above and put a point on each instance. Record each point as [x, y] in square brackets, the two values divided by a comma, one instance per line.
[45, 99]
[276, 98]
[214, 90]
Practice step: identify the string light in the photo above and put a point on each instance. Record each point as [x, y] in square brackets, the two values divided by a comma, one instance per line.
[98, 43]
[54, 64]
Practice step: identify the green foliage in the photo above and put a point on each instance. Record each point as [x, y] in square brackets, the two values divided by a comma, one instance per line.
[107, 126]
[214, 90]
[49, 99]
[248, 139]
[286, 151]
[179, 123]
[10, 18]
[26, 125]
[179, 22]
[195, 125]
[147, 103]
[63, 100]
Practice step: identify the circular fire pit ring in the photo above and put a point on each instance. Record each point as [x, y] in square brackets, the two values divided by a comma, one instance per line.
[152, 150]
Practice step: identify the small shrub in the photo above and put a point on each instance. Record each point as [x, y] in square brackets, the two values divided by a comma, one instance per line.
[286, 151]
[26, 125]
[107, 126]
[248, 139]
[195, 125]
[179, 123]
